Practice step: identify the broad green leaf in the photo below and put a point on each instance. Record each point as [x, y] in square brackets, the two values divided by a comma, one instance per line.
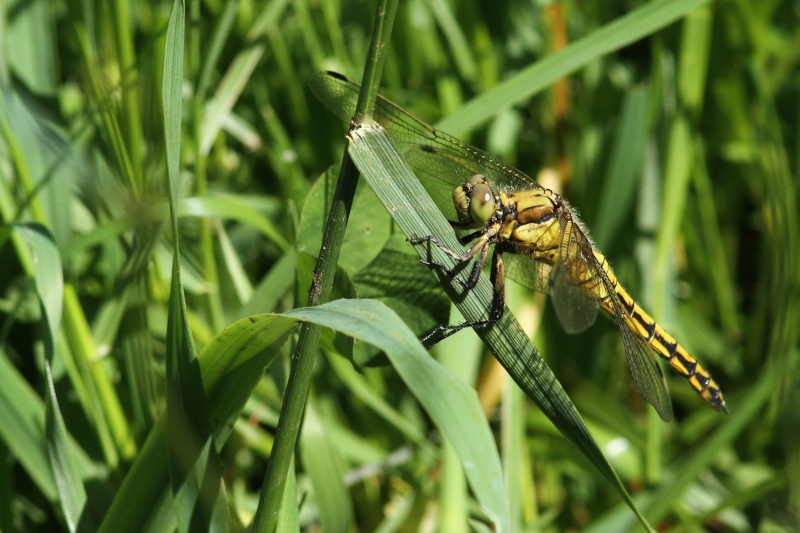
[451, 404]
[368, 229]
[232, 364]
[377, 258]
[399, 280]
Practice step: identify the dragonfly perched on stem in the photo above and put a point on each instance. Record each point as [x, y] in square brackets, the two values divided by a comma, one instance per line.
[537, 239]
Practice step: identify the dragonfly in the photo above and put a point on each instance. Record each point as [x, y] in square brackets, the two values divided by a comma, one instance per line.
[537, 240]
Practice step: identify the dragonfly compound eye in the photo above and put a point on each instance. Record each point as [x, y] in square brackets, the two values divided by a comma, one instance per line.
[481, 203]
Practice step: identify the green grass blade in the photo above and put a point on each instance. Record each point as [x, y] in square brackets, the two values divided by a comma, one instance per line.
[456, 40]
[324, 468]
[359, 388]
[172, 100]
[49, 282]
[461, 356]
[222, 32]
[71, 492]
[723, 437]
[623, 31]
[237, 75]
[624, 167]
[272, 287]
[195, 468]
[658, 503]
[48, 277]
[232, 207]
[22, 430]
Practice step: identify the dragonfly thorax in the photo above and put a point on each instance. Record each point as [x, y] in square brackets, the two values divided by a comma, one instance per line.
[531, 224]
[537, 206]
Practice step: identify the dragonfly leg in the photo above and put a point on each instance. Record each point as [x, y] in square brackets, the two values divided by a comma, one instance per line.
[498, 277]
[441, 332]
[463, 257]
[481, 245]
[466, 239]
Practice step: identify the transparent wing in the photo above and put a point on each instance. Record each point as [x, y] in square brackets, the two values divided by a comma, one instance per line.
[580, 273]
[644, 366]
[642, 361]
[527, 272]
[574, 280]
[444, 160]
[579, 283]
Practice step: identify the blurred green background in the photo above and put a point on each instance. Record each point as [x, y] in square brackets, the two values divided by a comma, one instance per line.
[679, 150]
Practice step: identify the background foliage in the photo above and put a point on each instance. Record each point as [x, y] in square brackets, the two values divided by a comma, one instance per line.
[678, 150]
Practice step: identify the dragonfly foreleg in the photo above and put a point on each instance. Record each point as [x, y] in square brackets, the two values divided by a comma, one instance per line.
[481, 245]
[466, 239]
[443, 331]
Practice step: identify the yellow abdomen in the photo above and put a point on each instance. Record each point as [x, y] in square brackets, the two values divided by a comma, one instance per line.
[643, 325]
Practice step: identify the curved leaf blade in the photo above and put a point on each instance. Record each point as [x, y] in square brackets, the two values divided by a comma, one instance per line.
[452, 405]
[71, 492]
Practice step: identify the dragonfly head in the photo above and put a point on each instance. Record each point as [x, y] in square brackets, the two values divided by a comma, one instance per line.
[474, 201]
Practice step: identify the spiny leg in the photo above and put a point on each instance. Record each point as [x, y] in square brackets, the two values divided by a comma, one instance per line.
[498, 277]
[441, 332]
[481, 245]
